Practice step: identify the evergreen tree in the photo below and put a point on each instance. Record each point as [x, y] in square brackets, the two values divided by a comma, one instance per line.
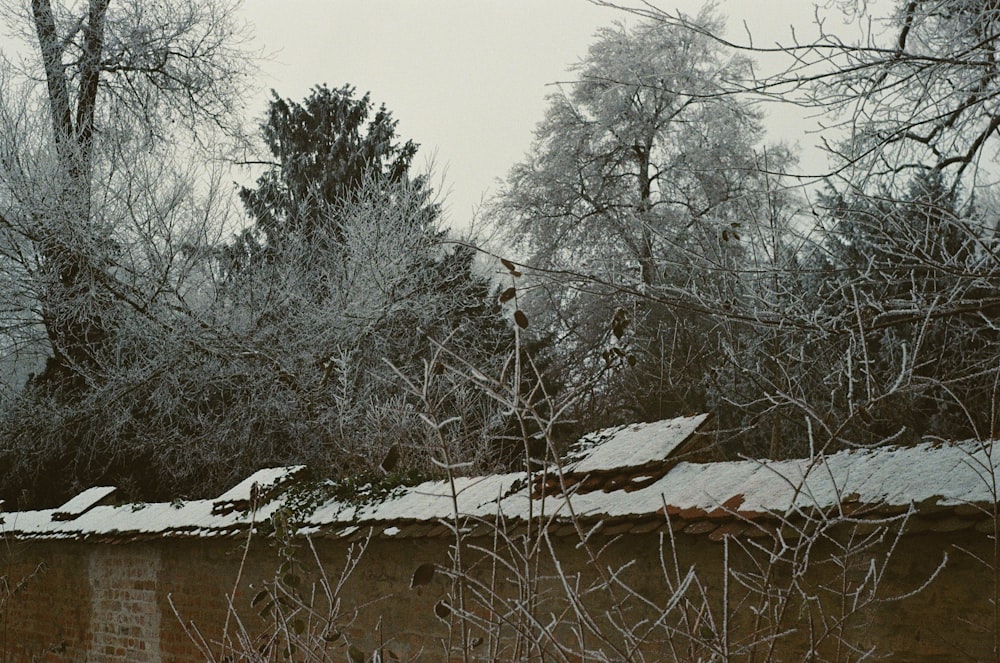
[326, 149]
[353, 239]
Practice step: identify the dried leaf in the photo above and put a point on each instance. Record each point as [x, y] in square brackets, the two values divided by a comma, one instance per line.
[422, 575]
[619, 323]
[521, 319]
[508, 264]
[442, 609]
[507, 294]
[391, 459]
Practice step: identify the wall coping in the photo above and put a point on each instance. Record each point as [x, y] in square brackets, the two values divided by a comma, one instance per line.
[636, 478]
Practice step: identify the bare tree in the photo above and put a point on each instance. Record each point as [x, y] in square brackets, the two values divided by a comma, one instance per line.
[106, 217]
[635, 215]
[118, 77]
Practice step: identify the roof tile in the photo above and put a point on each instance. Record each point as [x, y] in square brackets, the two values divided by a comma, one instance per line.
[628, 477]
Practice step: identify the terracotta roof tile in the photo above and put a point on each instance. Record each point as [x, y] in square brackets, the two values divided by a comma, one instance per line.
[732, 528]
[701, 527]
[648, 526]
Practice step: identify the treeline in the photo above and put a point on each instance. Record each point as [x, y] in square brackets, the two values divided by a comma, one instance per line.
[652, 257]
[692, 265]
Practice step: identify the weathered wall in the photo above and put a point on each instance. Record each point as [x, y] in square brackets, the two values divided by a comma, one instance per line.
[46, 603]
[116, 602]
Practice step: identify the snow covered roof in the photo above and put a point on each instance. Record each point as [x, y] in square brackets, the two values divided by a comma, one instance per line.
[83, 502]
[631, 478]
[255, 488]
[633, 446]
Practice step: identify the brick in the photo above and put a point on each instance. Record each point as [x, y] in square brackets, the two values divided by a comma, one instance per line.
[106, 599]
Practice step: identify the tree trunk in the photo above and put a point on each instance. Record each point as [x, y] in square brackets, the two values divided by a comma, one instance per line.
[72, 310]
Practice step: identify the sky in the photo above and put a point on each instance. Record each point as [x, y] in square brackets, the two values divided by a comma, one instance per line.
[467, 79]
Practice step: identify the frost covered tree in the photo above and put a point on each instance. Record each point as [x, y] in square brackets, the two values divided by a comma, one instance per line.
[105, 208]
[289, 345]
[909, 223]
[345, 279]
[118, 77]
[901, 85]
[921, 87]
[630, 207]
[865, 316]
[908, 296]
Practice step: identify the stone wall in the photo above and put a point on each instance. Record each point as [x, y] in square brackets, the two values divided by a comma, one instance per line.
[149, 601]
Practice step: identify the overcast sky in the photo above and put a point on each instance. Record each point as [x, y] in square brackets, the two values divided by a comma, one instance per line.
[466, 79]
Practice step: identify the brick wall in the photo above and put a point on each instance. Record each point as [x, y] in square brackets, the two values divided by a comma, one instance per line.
[120, 602]
[124, 614]
[48, 618]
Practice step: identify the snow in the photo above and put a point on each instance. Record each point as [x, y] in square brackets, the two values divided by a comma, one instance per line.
[265, 480]
[950, 475]
[190, 518]
[82, 502]
[639, 444]
[953, 474]
[945, 474]
[427, 502]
